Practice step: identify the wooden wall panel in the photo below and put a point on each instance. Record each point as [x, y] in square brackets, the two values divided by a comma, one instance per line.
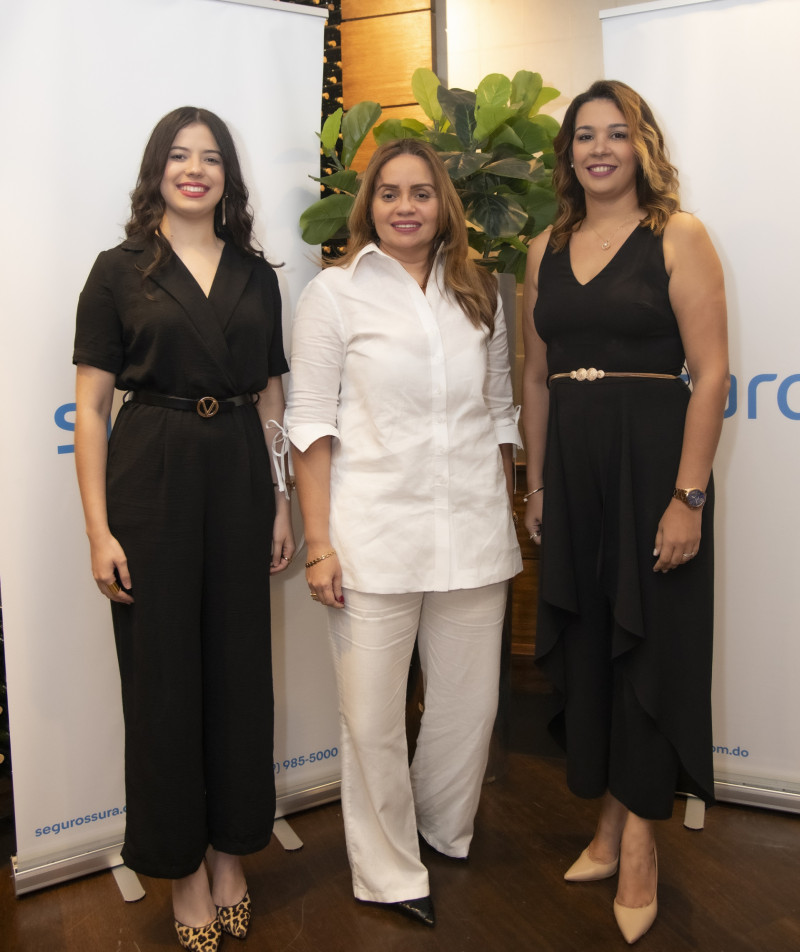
[355, 9]
[380, 54]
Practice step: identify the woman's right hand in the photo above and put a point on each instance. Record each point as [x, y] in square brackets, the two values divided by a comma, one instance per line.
[324, 578]
[533, 517]
[108, 555]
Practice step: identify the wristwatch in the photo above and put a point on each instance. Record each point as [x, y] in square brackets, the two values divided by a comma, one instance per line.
[694, 498]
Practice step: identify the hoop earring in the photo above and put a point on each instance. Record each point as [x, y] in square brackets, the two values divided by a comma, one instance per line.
[224, 218]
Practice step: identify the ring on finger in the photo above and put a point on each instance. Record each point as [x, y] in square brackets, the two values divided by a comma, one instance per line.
[314, 596]
[114, 588]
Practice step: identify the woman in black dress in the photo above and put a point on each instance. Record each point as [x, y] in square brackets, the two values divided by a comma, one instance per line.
[619, 294]
[185, 524]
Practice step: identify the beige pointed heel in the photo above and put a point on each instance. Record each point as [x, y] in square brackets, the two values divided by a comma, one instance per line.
[633, 921]
[586, 870]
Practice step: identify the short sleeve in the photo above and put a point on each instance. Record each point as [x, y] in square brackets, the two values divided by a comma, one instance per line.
[276, 359]
[98, 329]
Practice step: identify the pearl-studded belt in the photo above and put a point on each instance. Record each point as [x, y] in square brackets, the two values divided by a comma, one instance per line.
[592, 374]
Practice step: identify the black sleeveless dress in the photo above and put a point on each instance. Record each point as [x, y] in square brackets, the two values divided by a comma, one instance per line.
[628, 649]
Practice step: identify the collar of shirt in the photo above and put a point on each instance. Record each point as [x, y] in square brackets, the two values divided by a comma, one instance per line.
[374, 248]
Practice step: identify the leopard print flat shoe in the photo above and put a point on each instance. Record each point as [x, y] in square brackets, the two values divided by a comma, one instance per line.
[235, 920]
[201, 939]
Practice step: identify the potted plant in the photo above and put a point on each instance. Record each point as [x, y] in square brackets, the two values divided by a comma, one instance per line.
[497, 148]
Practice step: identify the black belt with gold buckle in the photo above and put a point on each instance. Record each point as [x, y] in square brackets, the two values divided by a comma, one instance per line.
[205, 406]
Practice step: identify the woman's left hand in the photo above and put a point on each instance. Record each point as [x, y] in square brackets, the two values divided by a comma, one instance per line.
[533, 517]
[678, 536]
[283, 547]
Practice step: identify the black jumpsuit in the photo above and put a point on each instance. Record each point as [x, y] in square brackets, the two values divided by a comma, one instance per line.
[192, 504]
[628, 649]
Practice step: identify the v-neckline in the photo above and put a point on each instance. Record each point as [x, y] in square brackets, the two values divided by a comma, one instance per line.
[213, 280]
[595, 276]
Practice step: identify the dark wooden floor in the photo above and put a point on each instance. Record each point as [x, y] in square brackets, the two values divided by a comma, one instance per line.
[734, 887]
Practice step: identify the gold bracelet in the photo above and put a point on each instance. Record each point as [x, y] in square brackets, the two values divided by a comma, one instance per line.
[533, 492]
[320, 558]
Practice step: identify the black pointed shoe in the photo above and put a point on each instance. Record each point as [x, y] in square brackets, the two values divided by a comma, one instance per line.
[420, 910]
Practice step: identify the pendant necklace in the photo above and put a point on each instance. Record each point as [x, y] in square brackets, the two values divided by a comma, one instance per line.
[606, 242]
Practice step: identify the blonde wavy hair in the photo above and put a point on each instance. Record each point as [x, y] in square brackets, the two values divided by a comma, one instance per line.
[656, 177]
[474, 288]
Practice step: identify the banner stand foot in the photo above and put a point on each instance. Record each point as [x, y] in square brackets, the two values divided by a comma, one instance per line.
[128, 882]
[286, 836]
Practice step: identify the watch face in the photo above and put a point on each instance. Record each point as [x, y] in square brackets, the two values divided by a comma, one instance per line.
[695, 498]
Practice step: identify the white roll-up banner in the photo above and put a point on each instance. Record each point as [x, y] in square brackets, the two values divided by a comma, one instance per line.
[722, 78]
[83, 83]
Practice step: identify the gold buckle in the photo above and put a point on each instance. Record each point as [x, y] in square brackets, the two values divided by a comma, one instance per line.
[590, 373]
[207, 407]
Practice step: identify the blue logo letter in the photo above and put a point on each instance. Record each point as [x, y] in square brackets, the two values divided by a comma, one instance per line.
[63, 423]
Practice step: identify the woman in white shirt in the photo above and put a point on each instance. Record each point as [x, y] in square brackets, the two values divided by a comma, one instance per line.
[402, 425]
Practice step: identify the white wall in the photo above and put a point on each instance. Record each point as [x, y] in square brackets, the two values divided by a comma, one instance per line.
[561, 39]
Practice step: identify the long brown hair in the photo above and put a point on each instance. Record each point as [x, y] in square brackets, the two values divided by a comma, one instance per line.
[474, 288]
[656, 177]
[147, 202]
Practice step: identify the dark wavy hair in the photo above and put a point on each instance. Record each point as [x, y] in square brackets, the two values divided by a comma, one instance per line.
[147, 202]
[474, 288]
[656, 177]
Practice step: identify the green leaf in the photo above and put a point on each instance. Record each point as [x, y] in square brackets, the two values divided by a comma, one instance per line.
[459, 165]
[534, 135]
[458, 106]
[516, 243]
[497, 215]
[325, 218]
[424, 84]
[330, 131]
[357, 122]
[477, 239]
[489, 119]
[493, 90]
[541, 206]
[548, 123]
[346, 181]
[506, 137]
[393, 129]
[547, 94]
[525, 87]
[444, 141]
[509, 258]
[513, 168]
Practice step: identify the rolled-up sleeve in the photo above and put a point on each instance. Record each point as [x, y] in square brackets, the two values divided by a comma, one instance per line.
[497, 390]
[317, 359]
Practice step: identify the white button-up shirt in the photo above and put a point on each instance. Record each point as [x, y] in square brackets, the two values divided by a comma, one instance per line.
[417, 400]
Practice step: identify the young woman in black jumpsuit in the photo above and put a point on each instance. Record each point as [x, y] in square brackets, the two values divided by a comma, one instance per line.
[184, 521]
[621, 292]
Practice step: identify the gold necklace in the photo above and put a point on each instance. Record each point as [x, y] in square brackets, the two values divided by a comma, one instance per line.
[606, 242]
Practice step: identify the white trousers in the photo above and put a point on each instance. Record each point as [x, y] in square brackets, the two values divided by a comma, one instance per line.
[384, 802]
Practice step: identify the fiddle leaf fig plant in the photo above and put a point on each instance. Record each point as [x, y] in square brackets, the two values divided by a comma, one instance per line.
[495, 144]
